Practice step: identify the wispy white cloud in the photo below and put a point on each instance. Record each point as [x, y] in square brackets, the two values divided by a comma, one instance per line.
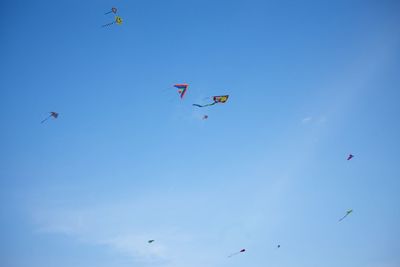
[310, 119]
[306, 119]
[137, 247]
[93, 226]
[188, 229]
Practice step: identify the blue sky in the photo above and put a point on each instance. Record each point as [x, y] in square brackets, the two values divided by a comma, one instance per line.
[128, 161]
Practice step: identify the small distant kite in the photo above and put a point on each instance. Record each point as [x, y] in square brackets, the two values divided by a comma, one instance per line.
[205, 117]
[347, 214]
[217, 99]
[118, 21]
[150, 241]
[113, 10]
[278, 246]
[236, 253]
[52, 114]
[350, 157]
[182, 88]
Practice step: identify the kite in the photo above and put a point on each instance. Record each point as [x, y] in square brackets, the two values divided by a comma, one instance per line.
[347, 214]
[278, 246]
[118, 21]
[350, 157]
[113, 10]
[52, 114]
[217, 99]
[205, 117]
[182, 88]
[150, 241]
[236, 253]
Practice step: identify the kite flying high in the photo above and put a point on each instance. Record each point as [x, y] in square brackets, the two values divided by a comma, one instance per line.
[52, 114]
[217, 99]
[182, 88]
[350, 157]
[150, 241]
[118, 21]
[347, 214]
[236, 253]
[113, 10]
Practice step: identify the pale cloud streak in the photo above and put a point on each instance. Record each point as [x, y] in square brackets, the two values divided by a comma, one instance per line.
[306, 120]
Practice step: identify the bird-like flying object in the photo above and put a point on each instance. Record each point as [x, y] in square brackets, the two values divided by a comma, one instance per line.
[217, 99]
[52, 114]
[113, 10]
[350, 157]
[347, 214]
[118, 21]
[150, 241]
[278, 246]
[182, 88]
[236, 253]
[205, 117]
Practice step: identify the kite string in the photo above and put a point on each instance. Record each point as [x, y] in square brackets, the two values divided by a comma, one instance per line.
[108, 24]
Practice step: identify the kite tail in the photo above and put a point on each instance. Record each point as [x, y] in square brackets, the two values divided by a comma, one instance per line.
[108, 12]
[45, 119]
[202, 106]
[341, 219]
[233, 254]
[108, 24]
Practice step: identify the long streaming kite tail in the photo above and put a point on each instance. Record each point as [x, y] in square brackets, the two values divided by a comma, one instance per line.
[210, 104]
[341, 219]
[45, 119]
[202, 106]
[233, 254]
[108, 24]
[108, 13]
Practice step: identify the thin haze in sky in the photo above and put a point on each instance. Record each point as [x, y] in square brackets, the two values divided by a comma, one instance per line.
[128, 161]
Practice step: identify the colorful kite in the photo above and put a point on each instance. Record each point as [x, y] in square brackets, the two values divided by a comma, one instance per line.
[236, 253]
[113, 10]
[347, 214]
[182, 88]
[118, 21]
[150, 241]
[217, 99]
[52, 114]
[350, 157]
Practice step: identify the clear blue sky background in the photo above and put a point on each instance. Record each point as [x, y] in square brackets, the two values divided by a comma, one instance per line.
[128, 161]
